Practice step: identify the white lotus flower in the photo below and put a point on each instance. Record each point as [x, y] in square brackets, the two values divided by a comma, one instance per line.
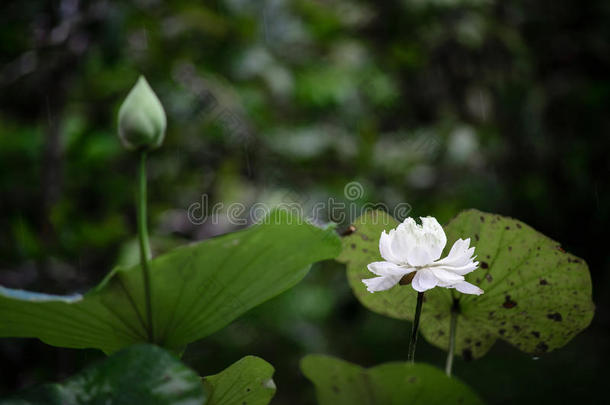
[417, 248]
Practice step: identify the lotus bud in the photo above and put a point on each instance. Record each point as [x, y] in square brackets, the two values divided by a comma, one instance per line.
[142, 119]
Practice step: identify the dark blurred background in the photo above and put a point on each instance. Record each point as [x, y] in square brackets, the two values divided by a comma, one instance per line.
[442, 104]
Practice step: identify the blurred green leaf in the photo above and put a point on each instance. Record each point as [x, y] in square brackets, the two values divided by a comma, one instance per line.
[247, 381]
[140, 374]
[324, 87]
[537, 297]
[339, 382]
[196, 290]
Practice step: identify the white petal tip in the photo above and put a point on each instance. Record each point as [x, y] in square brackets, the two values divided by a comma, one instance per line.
[381, 283]
[376, 284]
[478, 291]
[466, 288]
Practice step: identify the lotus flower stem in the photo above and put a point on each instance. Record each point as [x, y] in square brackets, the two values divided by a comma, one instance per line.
[144, 244]
[452, 333]
[415, 329]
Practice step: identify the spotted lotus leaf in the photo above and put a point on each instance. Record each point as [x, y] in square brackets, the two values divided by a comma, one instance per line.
[537, 296]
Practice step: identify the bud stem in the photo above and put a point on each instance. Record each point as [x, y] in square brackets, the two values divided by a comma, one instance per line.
[415, 329]
[452, 333]
[145, 254]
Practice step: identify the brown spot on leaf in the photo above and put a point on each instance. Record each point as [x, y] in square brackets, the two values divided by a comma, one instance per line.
[510, 248]
[536, 334]
[413, 380]
[542, 347]
[488, 277]
[517, 328]
[518, 225]
[467, 354]
[482, 218]
[364, 237]
[335, 389]
[353, 246]
[543, 282]
[501, 331]
[484, 265]
[476, 236]
[507, 228]
[477, 344]
[560, 249]
[555, 316]
[350, 229]
[508, 303]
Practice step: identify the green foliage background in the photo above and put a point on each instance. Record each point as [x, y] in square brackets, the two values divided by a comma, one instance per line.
[443, 104]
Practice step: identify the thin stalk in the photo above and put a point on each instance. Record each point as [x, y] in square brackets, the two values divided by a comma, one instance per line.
[452, 333]
[144, 245]
[415, 329]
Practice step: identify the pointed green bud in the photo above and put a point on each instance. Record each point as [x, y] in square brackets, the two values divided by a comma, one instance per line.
[142, 119]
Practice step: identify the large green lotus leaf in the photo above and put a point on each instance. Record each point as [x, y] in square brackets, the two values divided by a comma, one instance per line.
[248, 381]
[196, 290]
[140, 374]
[537, 297]
[339, 382]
